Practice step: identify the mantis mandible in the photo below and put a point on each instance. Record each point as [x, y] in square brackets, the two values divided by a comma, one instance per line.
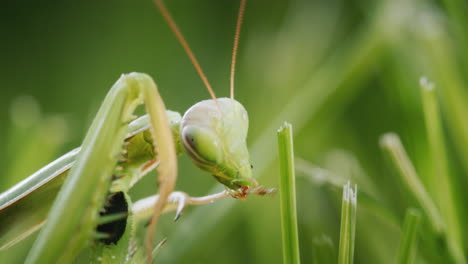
[118, 150]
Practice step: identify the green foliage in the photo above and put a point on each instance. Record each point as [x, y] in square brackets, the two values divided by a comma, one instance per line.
[342, 72]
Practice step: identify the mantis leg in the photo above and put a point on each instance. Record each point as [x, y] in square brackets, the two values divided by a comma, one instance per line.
[74, 214]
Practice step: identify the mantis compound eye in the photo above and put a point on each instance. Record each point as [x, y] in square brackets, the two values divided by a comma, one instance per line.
[214, 135]
[202, 145]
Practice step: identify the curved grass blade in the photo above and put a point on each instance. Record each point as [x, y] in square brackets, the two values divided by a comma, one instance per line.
[441, 179]
[393, 147]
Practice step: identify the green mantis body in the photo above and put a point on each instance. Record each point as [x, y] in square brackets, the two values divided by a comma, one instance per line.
[213, 133]
[116, 152]
[84, 190]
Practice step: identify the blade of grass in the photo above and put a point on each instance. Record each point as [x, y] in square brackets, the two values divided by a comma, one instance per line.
[391, 144]
[393, 147]
[408, 244]
[441, 181]
[445, 196]
[442, 62]
[288, 195]
[348, 224]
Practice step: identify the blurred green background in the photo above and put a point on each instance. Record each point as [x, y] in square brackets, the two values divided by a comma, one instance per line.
[342, 72]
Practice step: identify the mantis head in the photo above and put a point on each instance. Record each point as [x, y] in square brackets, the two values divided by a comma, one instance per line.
[214, 135]
[213, 132]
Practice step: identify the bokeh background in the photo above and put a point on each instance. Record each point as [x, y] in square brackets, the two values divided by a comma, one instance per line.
[342, 72]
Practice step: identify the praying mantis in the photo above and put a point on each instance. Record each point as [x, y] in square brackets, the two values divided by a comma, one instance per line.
[117, 151]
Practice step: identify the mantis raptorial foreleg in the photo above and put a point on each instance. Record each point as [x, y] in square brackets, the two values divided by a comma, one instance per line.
[83, 192]
[179, 200]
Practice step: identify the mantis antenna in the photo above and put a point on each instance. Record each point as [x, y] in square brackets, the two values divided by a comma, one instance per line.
[240, 16]
[170, 21]
[167, 16]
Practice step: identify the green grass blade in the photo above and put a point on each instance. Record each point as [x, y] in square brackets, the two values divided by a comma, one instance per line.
[441, 179]
[288, 195]
[442, 58]
[348, 225]
[408, 243]
[393, 147]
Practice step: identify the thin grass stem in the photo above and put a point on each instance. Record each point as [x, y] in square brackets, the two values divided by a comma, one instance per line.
[348, 224]
[288, 195]
[441, 179]
[393, 147]
[408, 244]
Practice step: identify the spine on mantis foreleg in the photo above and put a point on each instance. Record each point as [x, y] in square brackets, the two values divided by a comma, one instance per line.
[73, 216]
